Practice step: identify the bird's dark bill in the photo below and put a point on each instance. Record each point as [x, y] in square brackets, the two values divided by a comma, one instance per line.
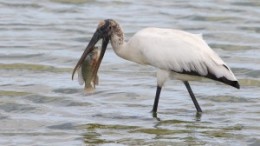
[103, 50]
[88, 49]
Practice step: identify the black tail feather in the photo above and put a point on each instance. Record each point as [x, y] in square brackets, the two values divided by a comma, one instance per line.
[226, 81]
[213, 77]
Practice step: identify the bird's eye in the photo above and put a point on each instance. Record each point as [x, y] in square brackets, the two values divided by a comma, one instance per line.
[110, 27]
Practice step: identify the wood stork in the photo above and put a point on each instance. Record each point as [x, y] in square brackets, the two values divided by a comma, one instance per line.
[177, 54]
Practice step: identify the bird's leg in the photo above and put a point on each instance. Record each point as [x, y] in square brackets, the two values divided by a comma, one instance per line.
[156, 100]
[186, 83]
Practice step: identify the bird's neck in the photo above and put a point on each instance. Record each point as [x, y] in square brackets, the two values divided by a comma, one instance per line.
[119, 45]
[124, 49]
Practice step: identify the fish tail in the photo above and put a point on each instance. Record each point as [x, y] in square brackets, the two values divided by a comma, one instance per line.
[89, 88]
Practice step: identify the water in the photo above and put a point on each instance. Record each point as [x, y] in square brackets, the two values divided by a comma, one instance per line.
[41, 42]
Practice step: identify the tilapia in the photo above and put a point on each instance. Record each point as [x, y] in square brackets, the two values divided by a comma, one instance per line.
[87, 71]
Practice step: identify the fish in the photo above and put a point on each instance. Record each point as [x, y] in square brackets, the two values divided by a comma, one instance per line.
[87, 71]
[89, 63]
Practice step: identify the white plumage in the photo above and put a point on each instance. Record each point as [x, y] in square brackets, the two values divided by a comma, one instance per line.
[174, 51]
[176, 54]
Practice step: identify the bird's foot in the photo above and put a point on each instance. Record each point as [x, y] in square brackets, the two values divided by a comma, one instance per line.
[198, 116]
[154, 114]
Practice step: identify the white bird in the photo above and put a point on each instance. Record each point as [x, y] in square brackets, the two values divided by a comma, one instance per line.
[177, 54]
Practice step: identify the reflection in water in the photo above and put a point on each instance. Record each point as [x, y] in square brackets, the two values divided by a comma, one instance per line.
[166, 130]
[192, 132]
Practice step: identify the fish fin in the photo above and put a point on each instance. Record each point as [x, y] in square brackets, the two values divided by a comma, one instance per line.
[96, 81]
[89, 88]
[80, 76]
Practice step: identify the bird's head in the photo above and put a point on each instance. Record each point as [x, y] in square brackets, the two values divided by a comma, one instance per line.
[107, 28]
[104, 31]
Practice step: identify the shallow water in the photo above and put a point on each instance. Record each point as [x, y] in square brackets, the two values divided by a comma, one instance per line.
[41, 42]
